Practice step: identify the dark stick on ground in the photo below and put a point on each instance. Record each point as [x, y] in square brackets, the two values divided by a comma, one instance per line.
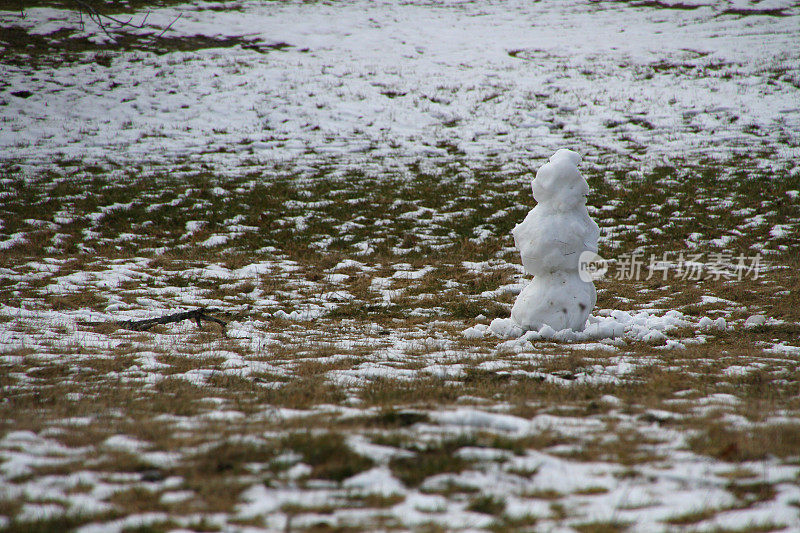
[198, 315]
[103, 20]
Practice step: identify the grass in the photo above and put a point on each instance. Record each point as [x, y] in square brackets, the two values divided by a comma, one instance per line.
[751, 444]
[692, 517]
[491, 505]
[58, 523]
[328, 455]
[70, 44]
[435, 458]
[219, 470]
[611, 526]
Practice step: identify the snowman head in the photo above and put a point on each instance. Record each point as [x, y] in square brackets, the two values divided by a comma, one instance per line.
[558, 184]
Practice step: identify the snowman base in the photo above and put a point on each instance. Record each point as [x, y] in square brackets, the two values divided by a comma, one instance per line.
[560, 300]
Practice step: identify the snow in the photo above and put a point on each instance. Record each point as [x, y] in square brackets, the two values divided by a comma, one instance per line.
[378, 480]
[374, 82]
[176, 496]
[647, 326]
[124, 443]
[215, 240]
[780, 230]
[755, 320]
[475, 332]
[13, 240]
[480, 419]
[378, 453]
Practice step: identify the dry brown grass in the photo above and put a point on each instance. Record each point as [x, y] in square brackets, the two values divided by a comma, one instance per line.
[44, 386]
[748, 444]
[613, 526]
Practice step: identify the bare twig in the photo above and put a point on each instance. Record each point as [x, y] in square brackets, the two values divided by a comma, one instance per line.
[198, 315]
[170, 25]
[102, 19]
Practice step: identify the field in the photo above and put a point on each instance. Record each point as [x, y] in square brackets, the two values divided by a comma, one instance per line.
[337, 182]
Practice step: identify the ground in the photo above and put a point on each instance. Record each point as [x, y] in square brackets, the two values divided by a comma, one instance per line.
[338, 183]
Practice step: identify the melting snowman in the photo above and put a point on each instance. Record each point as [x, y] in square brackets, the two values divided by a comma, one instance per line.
[551, 240]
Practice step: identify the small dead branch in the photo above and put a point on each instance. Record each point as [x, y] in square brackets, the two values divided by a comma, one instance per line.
[198, 315]
[170, 25]
[103, 20]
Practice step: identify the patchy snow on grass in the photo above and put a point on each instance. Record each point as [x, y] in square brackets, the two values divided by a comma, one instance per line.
[338, 182]
[414, 79]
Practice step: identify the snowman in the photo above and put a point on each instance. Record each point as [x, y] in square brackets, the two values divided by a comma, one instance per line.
[550, 240]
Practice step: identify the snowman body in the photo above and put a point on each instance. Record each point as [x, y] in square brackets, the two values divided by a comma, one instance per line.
[551, 240]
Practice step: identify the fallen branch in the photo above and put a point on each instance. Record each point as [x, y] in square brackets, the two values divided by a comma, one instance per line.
[102, 20]
[198, 315]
